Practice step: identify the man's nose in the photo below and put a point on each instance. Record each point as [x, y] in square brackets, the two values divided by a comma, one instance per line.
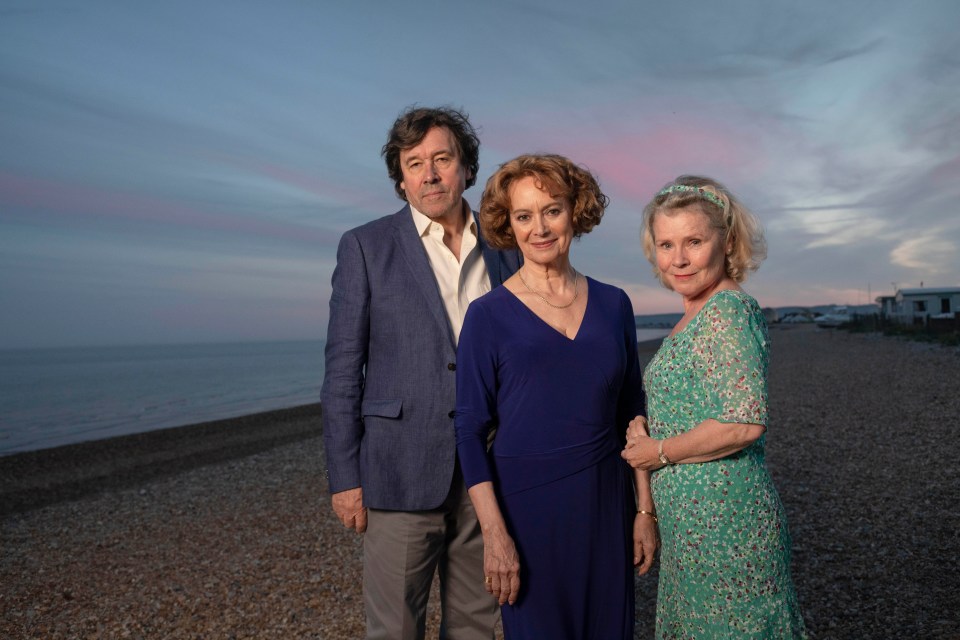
[430, 173]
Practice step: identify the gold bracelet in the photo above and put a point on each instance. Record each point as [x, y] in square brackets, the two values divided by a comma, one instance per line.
[662, 456]
[648, 513]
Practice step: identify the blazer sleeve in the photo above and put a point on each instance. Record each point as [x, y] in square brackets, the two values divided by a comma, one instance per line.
[346, 355]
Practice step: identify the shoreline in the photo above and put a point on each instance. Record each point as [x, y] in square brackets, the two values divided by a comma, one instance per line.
[41, 477]
[34, 479]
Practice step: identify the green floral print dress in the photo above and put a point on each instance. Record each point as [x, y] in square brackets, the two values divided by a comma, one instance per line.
[725, 555]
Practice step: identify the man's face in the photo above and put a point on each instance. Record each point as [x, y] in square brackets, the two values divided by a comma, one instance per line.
[434, 177]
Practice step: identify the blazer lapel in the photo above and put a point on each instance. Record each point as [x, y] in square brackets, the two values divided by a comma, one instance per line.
[411, 246]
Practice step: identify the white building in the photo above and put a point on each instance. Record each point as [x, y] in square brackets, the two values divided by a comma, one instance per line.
[915, 306]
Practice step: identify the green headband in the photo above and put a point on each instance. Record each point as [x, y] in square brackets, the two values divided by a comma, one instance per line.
[700, 191]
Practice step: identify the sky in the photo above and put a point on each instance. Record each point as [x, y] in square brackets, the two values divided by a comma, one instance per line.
[182, 171]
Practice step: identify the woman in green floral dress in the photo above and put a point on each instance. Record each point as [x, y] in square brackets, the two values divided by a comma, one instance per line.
[725, 548]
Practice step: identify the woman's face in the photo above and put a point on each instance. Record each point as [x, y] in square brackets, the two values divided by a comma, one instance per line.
[542, 224]
[690, 252]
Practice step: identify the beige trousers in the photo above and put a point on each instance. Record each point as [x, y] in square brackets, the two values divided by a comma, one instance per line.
[401, 551]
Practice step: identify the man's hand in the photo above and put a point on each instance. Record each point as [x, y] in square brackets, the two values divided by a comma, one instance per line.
[348, 505]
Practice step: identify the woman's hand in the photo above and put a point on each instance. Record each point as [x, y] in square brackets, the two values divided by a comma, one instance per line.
[641, 451]
[645, 542]
[501, 566]
[637, 428]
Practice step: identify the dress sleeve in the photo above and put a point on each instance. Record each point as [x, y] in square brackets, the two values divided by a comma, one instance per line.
[631, 402]
[476, 394]
[735, 350]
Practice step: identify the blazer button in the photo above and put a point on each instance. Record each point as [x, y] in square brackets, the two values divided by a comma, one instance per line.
[452, 414]
[452, 366]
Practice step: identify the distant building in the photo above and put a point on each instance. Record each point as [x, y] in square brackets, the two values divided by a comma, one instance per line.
[917, 306]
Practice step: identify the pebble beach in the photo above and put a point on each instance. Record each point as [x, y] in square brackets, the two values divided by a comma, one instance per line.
[224, 529]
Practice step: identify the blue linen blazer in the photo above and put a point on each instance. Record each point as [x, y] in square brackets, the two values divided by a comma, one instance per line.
[389, 390]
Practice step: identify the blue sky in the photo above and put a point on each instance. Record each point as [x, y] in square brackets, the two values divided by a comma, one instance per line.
[182, 171]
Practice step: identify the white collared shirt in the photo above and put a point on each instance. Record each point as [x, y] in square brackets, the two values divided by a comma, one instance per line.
[461, 282]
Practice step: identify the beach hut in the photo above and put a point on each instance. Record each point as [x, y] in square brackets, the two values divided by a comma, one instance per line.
[917, 306]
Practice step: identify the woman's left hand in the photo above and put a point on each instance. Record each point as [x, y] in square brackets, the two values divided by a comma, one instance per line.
[645, 542]
[641, 451]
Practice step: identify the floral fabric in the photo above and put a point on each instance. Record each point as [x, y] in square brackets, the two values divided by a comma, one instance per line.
[725, 555]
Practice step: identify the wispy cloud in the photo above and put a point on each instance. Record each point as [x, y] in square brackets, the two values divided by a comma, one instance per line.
[931, 252]
[49, 202]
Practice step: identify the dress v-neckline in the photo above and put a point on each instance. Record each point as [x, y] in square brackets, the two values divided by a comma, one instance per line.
[550, 326]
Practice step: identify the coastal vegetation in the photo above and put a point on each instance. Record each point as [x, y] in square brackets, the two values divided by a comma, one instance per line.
[945, 333]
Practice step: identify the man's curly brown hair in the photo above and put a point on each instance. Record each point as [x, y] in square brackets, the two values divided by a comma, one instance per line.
[412, 127]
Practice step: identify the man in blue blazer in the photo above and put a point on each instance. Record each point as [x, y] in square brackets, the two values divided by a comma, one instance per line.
[400, 289]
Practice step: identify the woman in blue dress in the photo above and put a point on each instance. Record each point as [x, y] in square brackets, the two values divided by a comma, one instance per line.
[548, 363]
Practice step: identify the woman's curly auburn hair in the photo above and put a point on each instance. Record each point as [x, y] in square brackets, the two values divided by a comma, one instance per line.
[555, 174]
[741, 230]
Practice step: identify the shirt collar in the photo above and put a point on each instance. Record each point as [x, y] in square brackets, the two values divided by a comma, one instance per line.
[422, 222]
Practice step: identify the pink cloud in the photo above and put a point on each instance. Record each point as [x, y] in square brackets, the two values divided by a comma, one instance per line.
[633, 161]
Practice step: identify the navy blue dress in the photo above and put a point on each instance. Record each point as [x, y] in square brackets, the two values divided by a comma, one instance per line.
[561, 407]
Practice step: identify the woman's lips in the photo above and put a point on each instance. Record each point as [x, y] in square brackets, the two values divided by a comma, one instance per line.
[543, 245]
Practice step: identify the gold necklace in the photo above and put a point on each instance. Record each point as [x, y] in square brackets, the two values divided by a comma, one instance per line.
[576, 290]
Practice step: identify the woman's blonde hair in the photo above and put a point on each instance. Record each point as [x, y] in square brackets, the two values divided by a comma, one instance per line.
[741, 230]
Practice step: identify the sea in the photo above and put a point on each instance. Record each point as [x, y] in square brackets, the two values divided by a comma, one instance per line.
[54, 397]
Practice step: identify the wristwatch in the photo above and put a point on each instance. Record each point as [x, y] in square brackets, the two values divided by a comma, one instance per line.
[660, 454]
